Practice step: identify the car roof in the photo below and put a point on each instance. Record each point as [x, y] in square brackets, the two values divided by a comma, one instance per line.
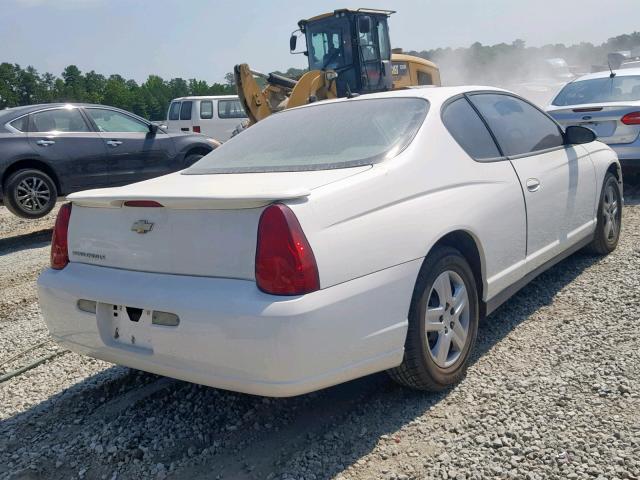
[206, 97]
[435, 95]
[623, 72]
[8, 114]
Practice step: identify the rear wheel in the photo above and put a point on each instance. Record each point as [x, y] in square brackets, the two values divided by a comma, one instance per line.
[30, 193]
[607, 234]
[443, 323]
[191, 159]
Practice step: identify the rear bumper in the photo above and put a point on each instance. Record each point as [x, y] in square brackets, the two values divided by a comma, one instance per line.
[630, 165]
[628, 154]
[231, 335]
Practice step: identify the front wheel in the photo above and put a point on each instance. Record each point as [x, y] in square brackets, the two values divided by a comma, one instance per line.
[30, 193]
[443, 323]
[607, 234]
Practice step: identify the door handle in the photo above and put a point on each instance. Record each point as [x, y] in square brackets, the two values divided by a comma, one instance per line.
[45, 143]
[114, 143]
[533, 184]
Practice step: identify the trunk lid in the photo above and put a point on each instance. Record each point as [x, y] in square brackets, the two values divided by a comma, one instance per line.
[206, 227]
[603, 118]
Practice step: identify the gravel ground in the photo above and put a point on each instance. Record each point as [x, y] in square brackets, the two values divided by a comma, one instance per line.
[552, 393]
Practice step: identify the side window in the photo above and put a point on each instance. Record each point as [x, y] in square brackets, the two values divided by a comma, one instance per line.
[174, 111]
[112, 121]
[519, 127]
[466, 127]
[58, 120]
[424, 79]
[383, 41]
[185, 110]
[21, 124]
[230, 109]
[206, 109]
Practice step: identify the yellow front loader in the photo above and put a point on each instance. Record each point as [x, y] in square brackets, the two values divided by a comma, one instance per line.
[349, 54]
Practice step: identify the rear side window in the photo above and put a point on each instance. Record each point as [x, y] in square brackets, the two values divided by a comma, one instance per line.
[519, 127]
[185, 110]
[206, 109]
[59, 120]
[230, 109]
[174, 111]
[21, 124]
[466, 127]
[112, 121]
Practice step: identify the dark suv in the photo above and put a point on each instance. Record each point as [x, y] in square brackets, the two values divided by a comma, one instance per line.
[52, 150]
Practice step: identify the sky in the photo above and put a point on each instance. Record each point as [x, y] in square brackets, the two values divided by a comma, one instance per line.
[205, 39]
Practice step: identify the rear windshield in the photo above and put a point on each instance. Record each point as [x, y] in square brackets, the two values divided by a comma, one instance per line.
[320, 137]
[617, 89]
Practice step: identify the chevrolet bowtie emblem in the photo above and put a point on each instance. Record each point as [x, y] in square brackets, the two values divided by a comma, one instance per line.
[142, 226]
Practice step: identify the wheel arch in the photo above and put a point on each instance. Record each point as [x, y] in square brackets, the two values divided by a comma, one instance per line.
[471, 249]
[198, 148]
[36, 165]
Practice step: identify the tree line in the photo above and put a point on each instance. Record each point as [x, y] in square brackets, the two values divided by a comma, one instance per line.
[25, 86]
[489, 64]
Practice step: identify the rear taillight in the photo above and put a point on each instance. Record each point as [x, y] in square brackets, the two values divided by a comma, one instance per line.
[59, 241]
[196, 129]
[285, 264]
[632, 118]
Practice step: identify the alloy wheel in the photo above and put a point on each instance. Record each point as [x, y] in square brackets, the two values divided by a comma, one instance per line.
[447, 319]
[33, 194]
[610, 211]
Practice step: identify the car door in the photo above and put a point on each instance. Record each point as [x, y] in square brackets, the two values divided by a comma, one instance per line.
[135, 152]
[62, 138]
[557, 180]
[181, 116]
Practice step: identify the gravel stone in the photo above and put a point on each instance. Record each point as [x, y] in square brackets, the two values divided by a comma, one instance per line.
[551, 394]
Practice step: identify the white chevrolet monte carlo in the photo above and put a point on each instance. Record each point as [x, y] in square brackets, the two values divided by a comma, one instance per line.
[331, 241]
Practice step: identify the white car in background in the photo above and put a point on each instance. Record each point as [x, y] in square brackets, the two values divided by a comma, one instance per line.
[609, 104]
[331, 241]
[214, 116]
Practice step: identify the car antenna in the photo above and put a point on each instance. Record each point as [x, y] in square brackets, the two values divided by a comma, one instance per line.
[612, 74]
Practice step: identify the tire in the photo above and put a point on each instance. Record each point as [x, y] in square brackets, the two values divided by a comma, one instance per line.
[607, 234]
[191, 159]
[423, 366]
[30, 193]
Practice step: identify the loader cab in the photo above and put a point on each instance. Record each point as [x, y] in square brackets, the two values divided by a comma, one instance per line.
[353, 43]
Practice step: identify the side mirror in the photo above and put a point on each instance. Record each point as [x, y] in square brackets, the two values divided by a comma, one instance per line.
[364, 24]
[293, 41]
[575, 135]
[153, 128]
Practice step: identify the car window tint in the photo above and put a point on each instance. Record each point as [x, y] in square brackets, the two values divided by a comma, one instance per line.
[59, 120]
[230, 109]
[112, 121]
[466, 127]
[174, 111]
[185, 110]
[21, 124]
[519, 127]
[206, 109]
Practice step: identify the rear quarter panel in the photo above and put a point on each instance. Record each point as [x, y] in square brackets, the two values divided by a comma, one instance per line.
[395, 212]
[603, 157]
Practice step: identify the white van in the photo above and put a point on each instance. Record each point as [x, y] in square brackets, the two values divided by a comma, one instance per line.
[215, 116]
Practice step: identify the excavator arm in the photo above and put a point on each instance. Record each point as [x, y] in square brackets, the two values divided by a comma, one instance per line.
[280, 92]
